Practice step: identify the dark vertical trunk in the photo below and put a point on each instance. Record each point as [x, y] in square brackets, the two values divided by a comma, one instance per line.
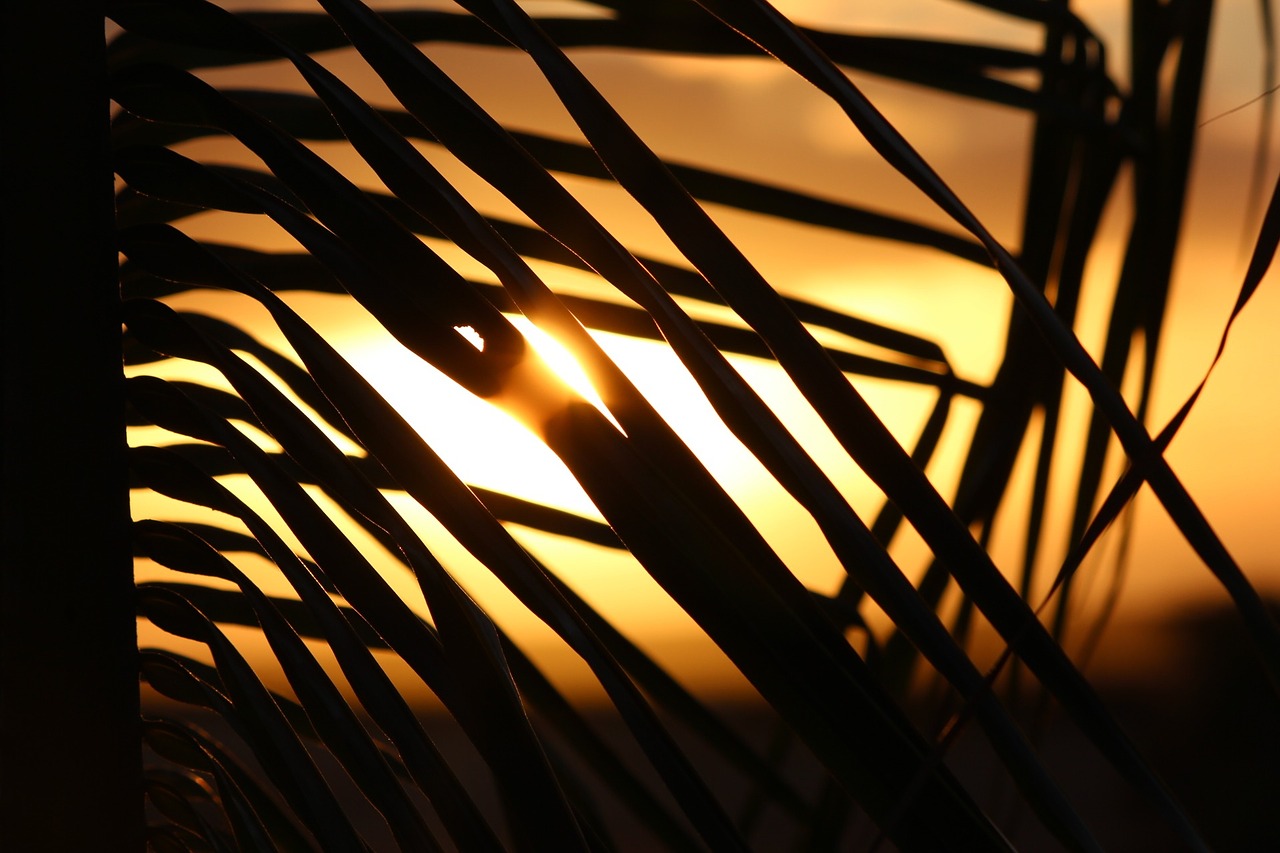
[69, 742]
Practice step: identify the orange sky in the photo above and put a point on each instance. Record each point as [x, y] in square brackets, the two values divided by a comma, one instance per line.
[755, 122]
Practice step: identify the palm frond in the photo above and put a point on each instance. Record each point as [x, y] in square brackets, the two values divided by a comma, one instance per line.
[316, 486]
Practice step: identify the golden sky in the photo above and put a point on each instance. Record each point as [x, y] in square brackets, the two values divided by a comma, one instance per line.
[758, 119]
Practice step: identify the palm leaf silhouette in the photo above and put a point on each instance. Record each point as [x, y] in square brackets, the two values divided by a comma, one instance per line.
[292, 459]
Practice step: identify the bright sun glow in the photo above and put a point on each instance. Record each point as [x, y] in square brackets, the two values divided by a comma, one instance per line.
[561, 361]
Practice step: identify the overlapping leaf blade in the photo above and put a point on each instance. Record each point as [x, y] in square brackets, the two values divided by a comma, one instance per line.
[658, 500]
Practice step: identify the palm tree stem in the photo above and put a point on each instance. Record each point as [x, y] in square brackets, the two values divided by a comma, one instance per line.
[69, 716]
